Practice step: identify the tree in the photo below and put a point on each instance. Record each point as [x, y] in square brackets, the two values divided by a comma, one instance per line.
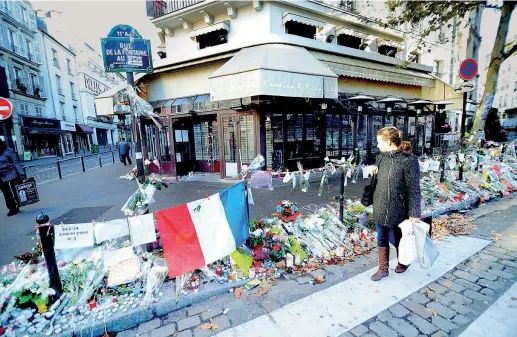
[437, 14]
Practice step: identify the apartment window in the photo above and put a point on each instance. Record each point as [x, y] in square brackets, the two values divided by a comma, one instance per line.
[506, 100]
[300, 29]
[62, 109]
[12, 40]
[24, 108]
[72, 90]
[212, 39]
[25, 15]
[75, 114]
[39, 110]
[30, 50]
[58, 83]
[20, 81]
[35, 85]
[69, 66]
[438, 67]
[349, 41]
[55, 60]
[515, 86]
[387, 50]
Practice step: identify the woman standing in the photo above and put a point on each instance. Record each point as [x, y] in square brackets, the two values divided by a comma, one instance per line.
[10, 171]
[397, 195]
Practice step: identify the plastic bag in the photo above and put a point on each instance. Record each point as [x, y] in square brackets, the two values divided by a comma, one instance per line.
[242, 259]
[426, 250]
[407, 246]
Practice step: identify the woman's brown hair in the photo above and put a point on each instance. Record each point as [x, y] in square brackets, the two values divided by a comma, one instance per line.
[395, 136]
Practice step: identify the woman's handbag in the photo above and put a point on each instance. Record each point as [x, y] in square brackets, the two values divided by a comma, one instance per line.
[367, 198]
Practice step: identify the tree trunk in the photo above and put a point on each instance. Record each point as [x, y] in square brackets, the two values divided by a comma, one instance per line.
[493, 70]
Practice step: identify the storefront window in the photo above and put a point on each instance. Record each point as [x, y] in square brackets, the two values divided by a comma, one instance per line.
[230, 139]
[247, 139]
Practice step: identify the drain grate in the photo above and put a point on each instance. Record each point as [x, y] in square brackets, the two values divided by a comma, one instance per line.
[80, 215]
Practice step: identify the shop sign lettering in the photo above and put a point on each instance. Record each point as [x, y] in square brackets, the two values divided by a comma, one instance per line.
[41, 123]
[94, 85]
[73, 236]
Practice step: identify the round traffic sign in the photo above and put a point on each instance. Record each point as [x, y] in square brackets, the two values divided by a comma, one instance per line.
[468, 69]
[6, 109]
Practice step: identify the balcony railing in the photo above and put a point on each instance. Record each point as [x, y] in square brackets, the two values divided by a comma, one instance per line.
[157, 8]
[60, 91]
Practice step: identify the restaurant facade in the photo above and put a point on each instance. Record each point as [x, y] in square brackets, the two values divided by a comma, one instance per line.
[285, 96]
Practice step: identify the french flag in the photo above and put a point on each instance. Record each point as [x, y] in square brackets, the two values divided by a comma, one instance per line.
[204, 231]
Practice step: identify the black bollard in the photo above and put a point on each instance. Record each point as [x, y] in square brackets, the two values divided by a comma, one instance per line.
[46, 233]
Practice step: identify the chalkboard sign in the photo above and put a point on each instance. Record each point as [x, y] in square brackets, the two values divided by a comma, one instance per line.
[27, 192]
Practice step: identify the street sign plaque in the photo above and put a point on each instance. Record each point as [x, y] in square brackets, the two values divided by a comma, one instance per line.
[464, 87]
[124, 50]
[468, 69]
[6, 109]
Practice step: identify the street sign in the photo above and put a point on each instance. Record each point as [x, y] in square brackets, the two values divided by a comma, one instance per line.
[468, 69]
[6, 109]
[124, 50]
[464, 87]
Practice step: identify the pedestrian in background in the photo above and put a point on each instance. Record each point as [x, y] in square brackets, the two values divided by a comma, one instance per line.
[123, 150]
[397, 195]
[10, 172]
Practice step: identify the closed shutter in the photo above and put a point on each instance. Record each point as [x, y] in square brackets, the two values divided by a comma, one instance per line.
[42, 86]
[32, 20]
[27, 80]
[37, 51]
[22, 45]
[4, 41]
[17, 12]
[13, 76]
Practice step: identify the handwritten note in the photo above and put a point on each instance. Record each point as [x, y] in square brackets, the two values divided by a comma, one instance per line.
[73, 236]
[109, 230]
[142, 229]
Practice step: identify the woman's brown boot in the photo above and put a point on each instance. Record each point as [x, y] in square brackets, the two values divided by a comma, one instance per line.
[384, 257]
[401, 268]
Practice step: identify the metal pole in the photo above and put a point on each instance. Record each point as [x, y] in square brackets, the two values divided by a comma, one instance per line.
[342, 197]
[354, 135]
[46, 233]
[113, 155]
[82, 163]
[406, 127]
[100, 159]
[59, 169]
[369, 129]
[463, 118]
[417, 136]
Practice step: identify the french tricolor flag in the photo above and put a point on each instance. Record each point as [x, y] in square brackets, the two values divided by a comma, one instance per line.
[204, 231]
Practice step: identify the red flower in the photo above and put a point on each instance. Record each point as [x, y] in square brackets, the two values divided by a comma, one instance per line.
[279, 203]
[289, 211]
[276, 248]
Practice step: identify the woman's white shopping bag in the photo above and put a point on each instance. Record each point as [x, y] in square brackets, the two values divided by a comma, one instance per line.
[426, 250]
[407, 246]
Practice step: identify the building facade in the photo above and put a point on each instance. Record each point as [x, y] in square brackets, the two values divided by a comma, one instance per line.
[235, 79]
[34, 128]
[505, 100]
[64, 99]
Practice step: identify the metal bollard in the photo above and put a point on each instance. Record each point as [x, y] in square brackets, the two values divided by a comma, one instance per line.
[100, 160]
[24, 169]
[59, 169]
[82, 163]
[113, 155]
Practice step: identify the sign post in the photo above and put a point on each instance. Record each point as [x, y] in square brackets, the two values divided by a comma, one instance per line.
[6, 110]
[124, 50]
[468, 71]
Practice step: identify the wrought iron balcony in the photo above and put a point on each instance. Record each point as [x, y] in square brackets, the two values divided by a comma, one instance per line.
[157, 8]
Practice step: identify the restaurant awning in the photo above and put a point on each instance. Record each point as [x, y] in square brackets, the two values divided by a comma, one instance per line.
[43, 131]
[350, 67]
[225, 25]
[302, 19]
[273, 70]
[81, 128]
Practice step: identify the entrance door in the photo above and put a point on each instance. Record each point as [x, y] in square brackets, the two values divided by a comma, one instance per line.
[238, 142]
[184, 154]
[206, 144]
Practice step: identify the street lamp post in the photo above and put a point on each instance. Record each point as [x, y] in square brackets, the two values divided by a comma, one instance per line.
[360, 101]
[419, 111]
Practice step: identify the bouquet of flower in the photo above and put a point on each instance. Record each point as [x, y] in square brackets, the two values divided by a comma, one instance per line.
[288, 210]
[34, 288]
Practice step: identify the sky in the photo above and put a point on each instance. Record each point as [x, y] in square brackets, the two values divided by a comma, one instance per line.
[91, 20]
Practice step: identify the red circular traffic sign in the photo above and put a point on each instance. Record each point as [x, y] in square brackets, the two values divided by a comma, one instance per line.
[468, 69]
[6, 109]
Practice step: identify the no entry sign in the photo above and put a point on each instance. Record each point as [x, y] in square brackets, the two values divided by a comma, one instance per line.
[468, 69]
[6, 109]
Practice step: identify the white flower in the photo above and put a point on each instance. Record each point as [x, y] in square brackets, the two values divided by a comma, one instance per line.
[44, 290]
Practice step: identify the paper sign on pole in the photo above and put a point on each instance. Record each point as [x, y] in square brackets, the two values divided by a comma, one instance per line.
[110, 230]
[142, 229]
[73, 236]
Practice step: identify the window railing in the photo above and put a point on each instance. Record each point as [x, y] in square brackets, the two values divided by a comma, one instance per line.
[157, 8]
[60, 91]
[56, 63]
[73, 97]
